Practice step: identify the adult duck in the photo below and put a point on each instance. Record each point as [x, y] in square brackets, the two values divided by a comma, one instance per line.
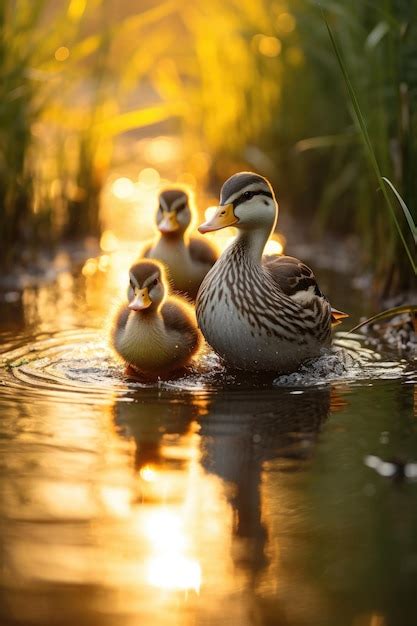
[260, 312]
[188, 258]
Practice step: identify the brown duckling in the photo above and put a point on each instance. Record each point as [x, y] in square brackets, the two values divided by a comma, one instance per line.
[188, 258]
[154, 333]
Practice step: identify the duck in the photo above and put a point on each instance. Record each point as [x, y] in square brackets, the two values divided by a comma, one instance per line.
[260, 313]
[187, 257]
[154, 333]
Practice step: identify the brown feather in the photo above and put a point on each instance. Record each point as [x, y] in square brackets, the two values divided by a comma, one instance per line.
[180, 317]
[290, 274]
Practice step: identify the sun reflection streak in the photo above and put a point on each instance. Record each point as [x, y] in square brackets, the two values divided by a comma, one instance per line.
[174, 572]
[148, 473]
[171, 566]
[168, 525]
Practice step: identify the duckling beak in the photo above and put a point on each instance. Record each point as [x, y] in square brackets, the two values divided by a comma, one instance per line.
[169, 223]
[141, 301]
[223, 217]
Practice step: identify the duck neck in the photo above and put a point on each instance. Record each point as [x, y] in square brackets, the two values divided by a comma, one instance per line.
[253, 241]
[176, 238]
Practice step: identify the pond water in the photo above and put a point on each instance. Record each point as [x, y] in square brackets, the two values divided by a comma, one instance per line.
[211, 499]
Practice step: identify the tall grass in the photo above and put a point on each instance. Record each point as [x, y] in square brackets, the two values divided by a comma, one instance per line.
[382, 180]
[61, 94]
[18, 110]
[245, 84]
[377, 40]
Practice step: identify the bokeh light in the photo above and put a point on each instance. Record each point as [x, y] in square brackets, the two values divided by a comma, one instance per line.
[149, 177]
[268, 46]
[285, 23]
[123, 188]
[161, 150]
[108, 241]
[62, 53]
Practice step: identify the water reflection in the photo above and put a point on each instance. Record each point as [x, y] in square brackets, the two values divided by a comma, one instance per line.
[236, 503]
[200, 463]
[245, 435]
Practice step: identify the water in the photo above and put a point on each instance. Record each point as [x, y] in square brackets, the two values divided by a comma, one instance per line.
[210, 499]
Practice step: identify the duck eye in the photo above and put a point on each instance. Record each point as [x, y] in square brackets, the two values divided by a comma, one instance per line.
[247, 195]
[181, 207]
[155, 282]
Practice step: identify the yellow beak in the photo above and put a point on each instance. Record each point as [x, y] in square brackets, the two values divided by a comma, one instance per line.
[141, 301]
[169, 223]
[223, 217]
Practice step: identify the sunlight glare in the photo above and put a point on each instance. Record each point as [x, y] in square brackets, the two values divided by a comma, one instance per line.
[116, 500]
[174, 572]
[148, 473]
[164, 529]
[170, 567]
[273, 246]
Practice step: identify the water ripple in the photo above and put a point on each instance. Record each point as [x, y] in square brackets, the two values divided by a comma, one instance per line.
[79, 366]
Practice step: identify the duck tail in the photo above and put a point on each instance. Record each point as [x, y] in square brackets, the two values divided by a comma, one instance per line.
[337, 316]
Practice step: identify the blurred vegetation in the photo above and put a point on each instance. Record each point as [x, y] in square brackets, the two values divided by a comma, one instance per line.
[244, 84]
[322, 157]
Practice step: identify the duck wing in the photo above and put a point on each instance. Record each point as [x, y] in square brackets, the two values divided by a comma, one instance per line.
[297, 280]
[293, 277]
[202, 251]
[120, 321]
[178, 318]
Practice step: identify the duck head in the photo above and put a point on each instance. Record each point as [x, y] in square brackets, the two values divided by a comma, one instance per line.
[174, 212]
[147, 286]
[247, 202]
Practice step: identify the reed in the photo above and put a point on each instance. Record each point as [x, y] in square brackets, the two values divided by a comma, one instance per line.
[371, 61]
[382, 180]
[68, 70]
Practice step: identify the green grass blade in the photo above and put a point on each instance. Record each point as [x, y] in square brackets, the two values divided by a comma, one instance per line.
[360, 121]
[397, 310]
[404, 207]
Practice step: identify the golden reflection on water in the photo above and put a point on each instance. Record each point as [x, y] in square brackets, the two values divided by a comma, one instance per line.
[151, 496]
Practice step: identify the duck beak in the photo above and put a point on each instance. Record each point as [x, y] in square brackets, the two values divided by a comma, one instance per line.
[141, 301]
[169, 223]
[223, 217]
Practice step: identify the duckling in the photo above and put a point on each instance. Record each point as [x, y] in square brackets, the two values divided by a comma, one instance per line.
[154, 333]
[187, 258]
[260, 312]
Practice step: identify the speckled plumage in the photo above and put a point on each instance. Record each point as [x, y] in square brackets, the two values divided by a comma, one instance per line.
[261, 313]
